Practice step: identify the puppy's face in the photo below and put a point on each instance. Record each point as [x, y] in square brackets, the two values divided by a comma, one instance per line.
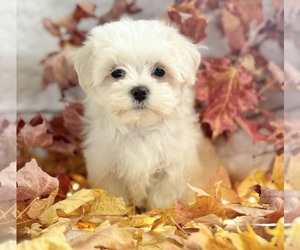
[137, 70]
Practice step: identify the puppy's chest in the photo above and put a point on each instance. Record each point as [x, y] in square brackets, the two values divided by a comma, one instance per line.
[141, 152]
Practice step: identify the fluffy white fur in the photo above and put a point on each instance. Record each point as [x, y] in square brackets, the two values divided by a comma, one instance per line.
[147, 155]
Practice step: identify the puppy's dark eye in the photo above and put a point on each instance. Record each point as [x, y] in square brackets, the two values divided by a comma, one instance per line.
[159, 72]
[118, 73]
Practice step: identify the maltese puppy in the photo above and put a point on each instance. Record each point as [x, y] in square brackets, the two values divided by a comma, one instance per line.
[142, 136]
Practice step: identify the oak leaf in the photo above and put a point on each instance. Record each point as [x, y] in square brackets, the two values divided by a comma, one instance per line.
[228, 92]
[33, 182]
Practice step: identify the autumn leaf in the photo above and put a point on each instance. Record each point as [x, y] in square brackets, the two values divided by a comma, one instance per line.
[35, 134]
[227, 91]
[33, 182]
[59, 68]
[72, 116]
[49, 240]
[204, 205]
[233, 30]
[8, 183]
[270, 196]
[187, 17]
[75, 204]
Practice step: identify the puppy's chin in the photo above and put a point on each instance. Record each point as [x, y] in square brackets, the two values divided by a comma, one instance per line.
[139, 117]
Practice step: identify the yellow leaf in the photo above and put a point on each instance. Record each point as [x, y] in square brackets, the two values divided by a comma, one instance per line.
[278, 172]
[71, 205]
[277, 233]
[50, 240]
[109, 205]
[106, 237]
[39, 206]
[205, 240]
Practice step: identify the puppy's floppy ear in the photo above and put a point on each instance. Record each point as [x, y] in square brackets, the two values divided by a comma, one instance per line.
[190, 61]
[83, 64]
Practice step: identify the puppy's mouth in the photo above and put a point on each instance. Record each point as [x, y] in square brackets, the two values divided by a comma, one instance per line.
[139, 105]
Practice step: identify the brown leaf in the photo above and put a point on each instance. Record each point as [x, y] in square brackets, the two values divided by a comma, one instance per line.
[227, 91]
[192, 26]
[204, 205]
[83, 10]
[72, 115]
[233, 30]
[270, 196]
[33, 182]
[59, 68]
[32, 135]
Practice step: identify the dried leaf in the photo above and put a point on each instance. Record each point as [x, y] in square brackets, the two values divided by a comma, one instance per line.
[35, 135]
[72, 116]
[8, 183]
[33, 182]
[71, 205]
[270, 196]
[50, 240]
[112, 237]
[233, 30]
[59, 68]
[39, 206]
[228, 92]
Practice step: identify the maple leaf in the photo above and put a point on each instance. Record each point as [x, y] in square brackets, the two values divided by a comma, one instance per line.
[59, 68]
[33, 182]
[35, 134]
[227, 91]
[186, 15]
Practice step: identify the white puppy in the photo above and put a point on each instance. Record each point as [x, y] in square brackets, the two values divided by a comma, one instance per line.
[143, 139]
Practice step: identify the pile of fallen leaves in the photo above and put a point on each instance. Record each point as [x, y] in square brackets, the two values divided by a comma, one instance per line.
[222, 216]
[54, 205]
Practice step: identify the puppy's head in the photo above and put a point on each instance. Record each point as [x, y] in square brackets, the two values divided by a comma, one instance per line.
[137, 70]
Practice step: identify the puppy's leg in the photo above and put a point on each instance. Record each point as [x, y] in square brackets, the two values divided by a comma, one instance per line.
[111, 184]
[166, 190]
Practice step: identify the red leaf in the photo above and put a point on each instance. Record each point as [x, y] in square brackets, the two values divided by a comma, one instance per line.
[189, 20]
[233, 30]
[35, 136]
[33, 182]
[227, 91]
[72, 116]
[59, 68]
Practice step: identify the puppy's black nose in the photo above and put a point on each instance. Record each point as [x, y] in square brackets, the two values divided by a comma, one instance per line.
[140, 93]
